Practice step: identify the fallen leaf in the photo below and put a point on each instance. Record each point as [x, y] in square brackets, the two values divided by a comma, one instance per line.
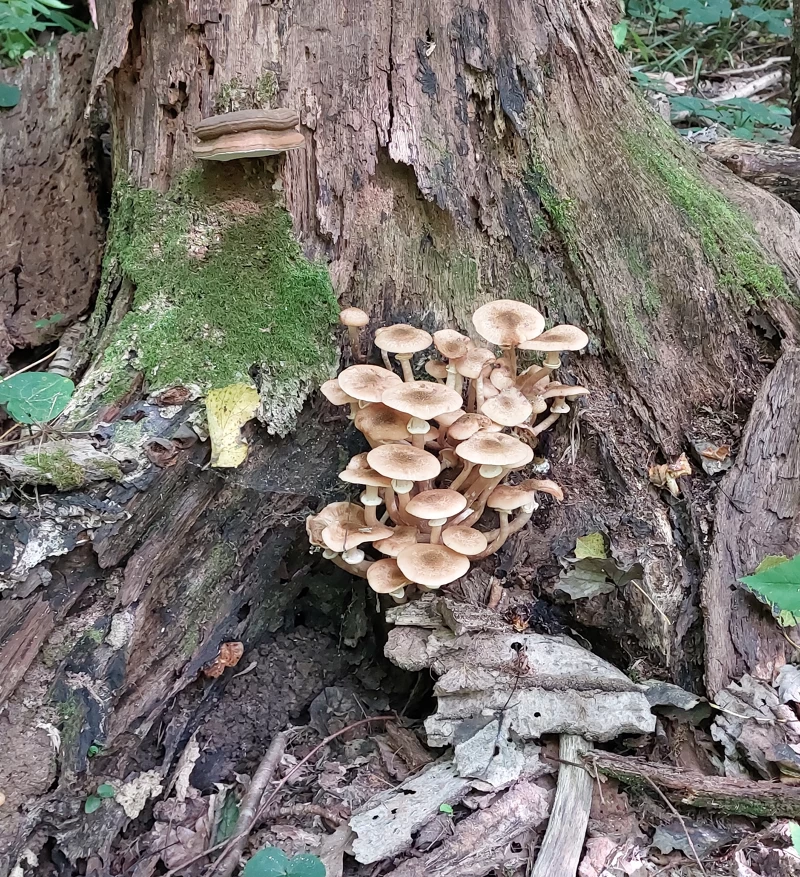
[228, 409]
[776, 582]
[667, 475]
[185, 766]
[720, 453]
[229, 656]
[591, 545]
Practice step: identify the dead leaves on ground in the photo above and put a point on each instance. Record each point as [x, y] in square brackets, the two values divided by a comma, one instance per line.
[229, 656]
[228, 409]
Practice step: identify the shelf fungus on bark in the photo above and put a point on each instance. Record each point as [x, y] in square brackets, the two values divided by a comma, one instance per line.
[247, 134]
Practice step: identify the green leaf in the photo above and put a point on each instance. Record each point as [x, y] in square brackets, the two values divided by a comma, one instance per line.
[446, 808]
[35, 397]
[48, 321]
[794, 833]
[9, 95]
[106, 790]
[776, 582]
[305, 865]
[227, 818]
[591, 545]
[269, 862]
[619, 33]
[91, 804]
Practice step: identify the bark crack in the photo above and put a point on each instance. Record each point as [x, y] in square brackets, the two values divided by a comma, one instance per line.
[389, 72]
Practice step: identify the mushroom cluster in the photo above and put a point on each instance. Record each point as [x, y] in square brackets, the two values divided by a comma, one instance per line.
[442, 449]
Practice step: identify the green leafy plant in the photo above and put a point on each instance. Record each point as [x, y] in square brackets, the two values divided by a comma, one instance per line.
[35, 397]
[48, 321]
[272, 862]
[446, 808]
[22, 20]
[776, 582]
[94, 802]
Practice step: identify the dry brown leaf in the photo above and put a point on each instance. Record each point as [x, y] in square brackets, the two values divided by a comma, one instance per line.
[229, 656]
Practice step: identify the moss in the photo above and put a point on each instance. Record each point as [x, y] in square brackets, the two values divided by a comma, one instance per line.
[205, 596]
[56, 468]
[219, 287]
[559, 211]
[110, 469]
[728, 237]
[234, 95]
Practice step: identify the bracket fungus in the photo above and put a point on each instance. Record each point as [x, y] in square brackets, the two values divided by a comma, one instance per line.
[247, 134]
[443, 444]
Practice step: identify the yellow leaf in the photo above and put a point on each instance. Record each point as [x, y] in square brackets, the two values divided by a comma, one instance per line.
[228, 409]
[592, 545]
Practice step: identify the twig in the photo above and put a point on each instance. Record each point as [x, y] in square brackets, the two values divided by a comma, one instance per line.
[258, 785]
[648, 597]
[680, 819]
[741, 71]
[748, 89]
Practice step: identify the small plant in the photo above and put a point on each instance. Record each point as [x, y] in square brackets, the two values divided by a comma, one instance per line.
[94, 802]
[443, 449]
[272, 862]
[35, 397]
[22, 20]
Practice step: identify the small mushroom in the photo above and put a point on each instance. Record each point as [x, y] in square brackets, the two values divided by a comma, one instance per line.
[435, 507]
[558, 393]
[432, 566]
[347, 513]
[355, 319]
[553, 342]
[495, 453]
[436, 369]
[466, 426]
[405, 465]
[370, 499]
[506, 499]
[403, 341]
[422, 400]
[508, 324]
[465, 540]
[247, 134]
[385, 577]
[471, 367]
[367, 383]
[380, 424]
[452, 345]
[508, 408]
[333, 392]
[401, 538]
[345, 540]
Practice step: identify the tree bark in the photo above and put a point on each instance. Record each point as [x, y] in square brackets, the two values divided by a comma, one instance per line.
[454, 153]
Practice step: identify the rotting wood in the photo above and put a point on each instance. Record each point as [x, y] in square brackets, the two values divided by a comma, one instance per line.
[739, 797]
[560, 851]
[771, 166]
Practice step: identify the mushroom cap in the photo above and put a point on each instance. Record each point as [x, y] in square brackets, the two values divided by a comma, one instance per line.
[507, 323]
[353, 317]
[248, 144]
[432, 504]
[384, 576]
[402, 338]
[448, 418]
[401, 538]
[335, 512]
[334, 393]
[495, 449]
[471, 364]
[467, 425]
[423, 399]
[564, 337]
[367, 382]
[381, 423]
[404, 462]
[359, 461]
[507, 497]
[564, 390]
[246, 120]
[508, 408]
[432, 565]
[543, 485]
[368, 477]
[450, 343]
[501, 377]
[436, 369]
[464, 540]
[340, 537]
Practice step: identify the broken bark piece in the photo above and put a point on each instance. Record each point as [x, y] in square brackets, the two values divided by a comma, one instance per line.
[248, 144]
[66, 464]
[246, 120]
[771, 166]
[481, 843]
[757, 798]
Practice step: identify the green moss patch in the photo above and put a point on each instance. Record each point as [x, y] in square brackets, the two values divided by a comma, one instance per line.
[56, 468]
[728, 237]
[220, 287]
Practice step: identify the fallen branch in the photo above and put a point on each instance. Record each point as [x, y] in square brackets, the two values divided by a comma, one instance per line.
[758, 798]
[560, 852]
[771, 166]
[741, 71]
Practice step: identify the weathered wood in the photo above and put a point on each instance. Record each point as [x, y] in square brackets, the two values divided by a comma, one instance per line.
[758, 509]
[772, 166]
[721, 794]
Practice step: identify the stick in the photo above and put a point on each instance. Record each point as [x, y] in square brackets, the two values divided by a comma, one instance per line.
[680, 819]
[261, 778]
[560, 852]
[742, 71]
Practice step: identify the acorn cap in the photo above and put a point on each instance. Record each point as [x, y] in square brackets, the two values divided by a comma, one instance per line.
[432, 504]
[246, 120]
[558, 338]
[565, 390]
[467, 425]
[401, 538]
[508, 497]
[404, 462]
[432, 565]
[336, 512]
[384, 576]
[450, 343]
[423, 399]
[507, 323]
[367, 382]
[402, 338]
[464, 540]
[381, 423]
[248, 144]
[334, 393]
[543, 485]
[436, 369]
[509, 408]
[353, 317]
[340, 537]
[367, 477]
[471, 364]
[495, 449]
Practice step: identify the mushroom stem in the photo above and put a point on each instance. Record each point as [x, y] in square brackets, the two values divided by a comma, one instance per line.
[356, 569]
[471, 397]
[418, 428]
[502, 535]
[528, 382]
[479, 395]
[436, 529]
[405, 364]
[515, 526]
[386, 361]
[354, 334]
[510, 356]
[462, 476]
[546, 423]
[487, 475]
[371, 499]
[451, 376]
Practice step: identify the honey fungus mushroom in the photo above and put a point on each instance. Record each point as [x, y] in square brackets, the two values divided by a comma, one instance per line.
[370, 499]
[508, 324]
[403, 341]
[435, 507]
[432, 566]
[465, 540]
[423, 401]
[385, 577]
[367, 383]
[354, 319]
[405, 465]
[247, 134]
[554, 342]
